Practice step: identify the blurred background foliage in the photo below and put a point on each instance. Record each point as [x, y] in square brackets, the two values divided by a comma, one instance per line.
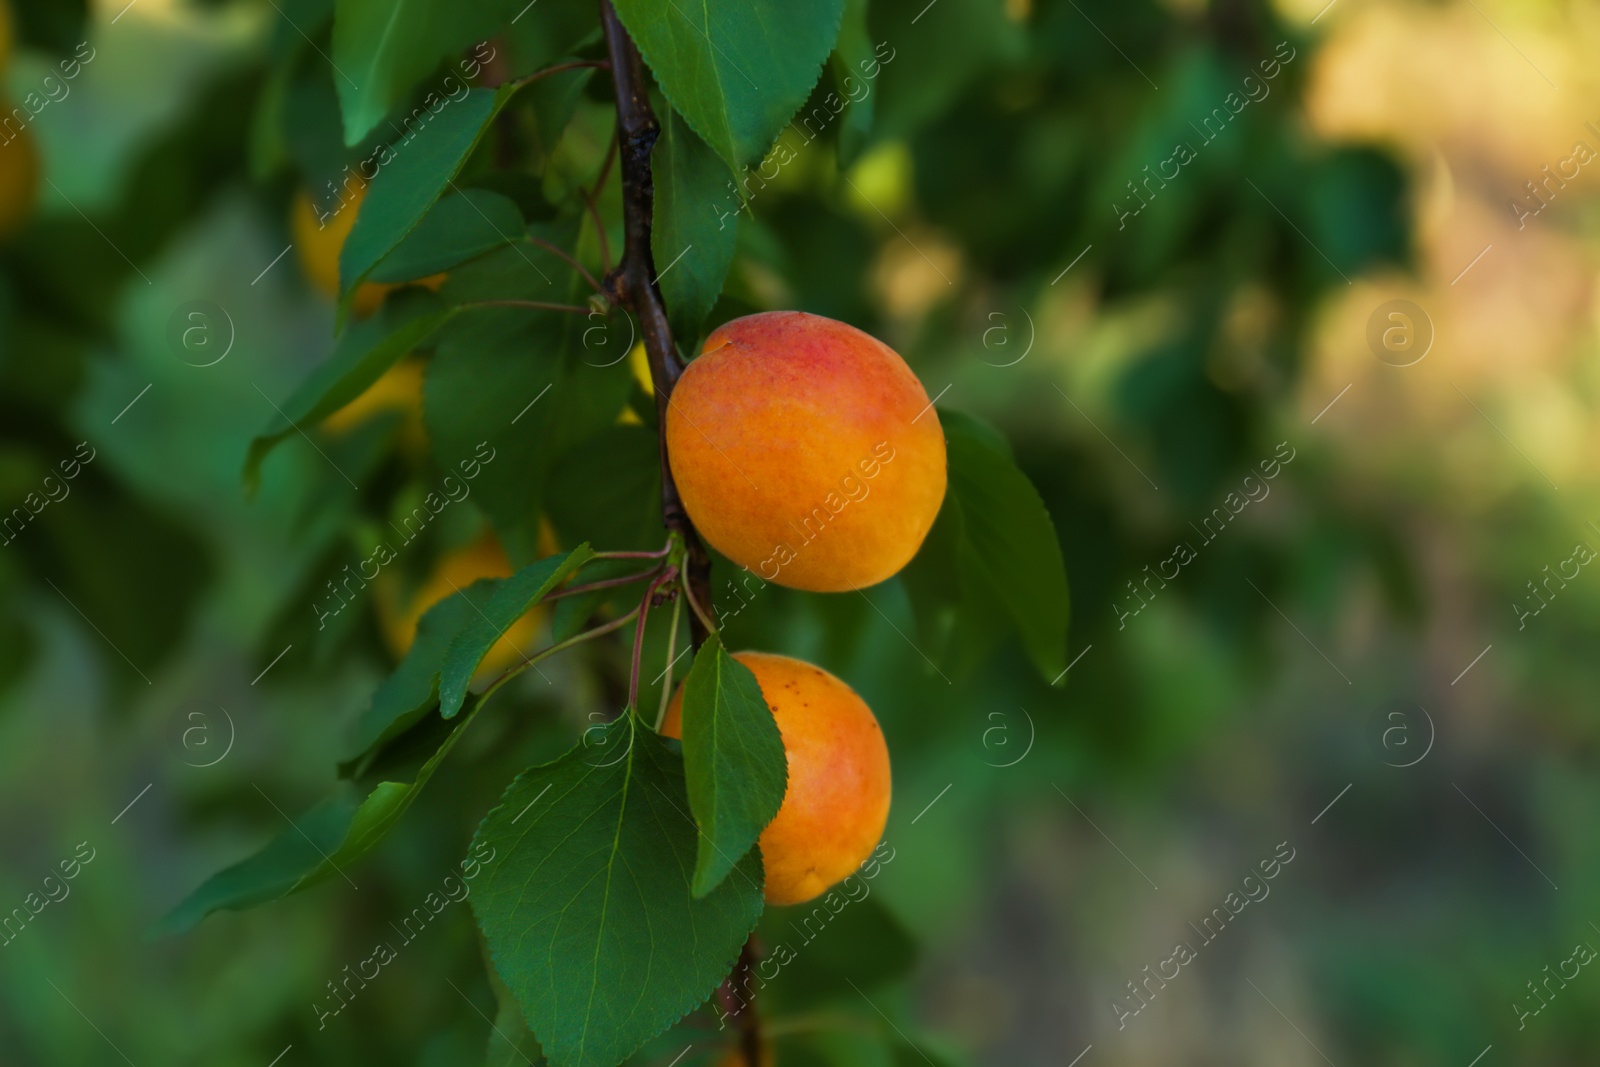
[974, 210]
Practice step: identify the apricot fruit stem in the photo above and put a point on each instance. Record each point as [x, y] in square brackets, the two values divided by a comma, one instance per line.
[633, 284]
[660, 580]
[672, 658]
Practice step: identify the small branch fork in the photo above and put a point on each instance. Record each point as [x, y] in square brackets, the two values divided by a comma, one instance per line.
[632, 284]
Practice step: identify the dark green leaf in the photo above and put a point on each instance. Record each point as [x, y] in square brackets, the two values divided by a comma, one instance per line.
[734, 760]
[320, 844]
[513, 379]
[541, 36]
[509, 600]
[423, 168]
[738, 70]
[408, 693]
[853, 62]
[363, 353]
[695, 227]
[270, 873]
[382, 47]
[590, 896]
[606, 490]
[552, 100]
[1007, 543]
[459, 227]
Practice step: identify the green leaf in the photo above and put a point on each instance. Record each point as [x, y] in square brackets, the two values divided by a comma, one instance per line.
[459, 227]
[853, 60]
[381, 48]
[382, 808]
[515, 379]
[360, 357]
[606, 490]
[410, 691]
[270, 873]
[734, 759]
[509, 600]
[325, 841]
[695, 226]
[737, 70]
[1007, 544]
[423, 167]
[588, 911]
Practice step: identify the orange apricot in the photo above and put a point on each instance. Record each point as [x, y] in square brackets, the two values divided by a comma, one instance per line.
[837, 801]
[806, 451]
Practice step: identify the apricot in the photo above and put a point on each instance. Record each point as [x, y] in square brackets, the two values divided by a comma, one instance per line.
[806, 451]
[837, 801]
[399, 390]
[19, 180]
[318, 240]
[484, 558]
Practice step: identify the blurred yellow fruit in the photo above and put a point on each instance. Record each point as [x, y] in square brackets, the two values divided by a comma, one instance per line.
[318, 241]
[19, 181]
[735, 1056]
[484, 558]
[7, 35]
[398, 390]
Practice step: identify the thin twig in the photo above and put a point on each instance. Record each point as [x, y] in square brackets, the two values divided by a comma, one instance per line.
[564, 254]
[658, 554]
[561, 646]
[604, 583]
[599, 64]
[537, 305]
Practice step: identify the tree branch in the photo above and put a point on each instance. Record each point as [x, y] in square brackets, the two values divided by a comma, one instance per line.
[633, 283]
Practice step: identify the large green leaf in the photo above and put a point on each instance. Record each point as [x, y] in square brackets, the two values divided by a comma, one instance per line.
[733, 756]
[588, 910]
[1007, 545]
[695, 224]
[510, 599]
[381, 48]
[422, 168]
[360, 357]
[738, 70]
[514, 379]
[320, 844]
[461, 226]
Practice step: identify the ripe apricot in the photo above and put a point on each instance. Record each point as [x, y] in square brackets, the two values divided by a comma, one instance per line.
[318, 240]
[484, 558]
[19, 180]
[837, 801]
[806, 451]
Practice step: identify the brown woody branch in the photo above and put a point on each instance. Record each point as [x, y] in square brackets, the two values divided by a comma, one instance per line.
[632, 284]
